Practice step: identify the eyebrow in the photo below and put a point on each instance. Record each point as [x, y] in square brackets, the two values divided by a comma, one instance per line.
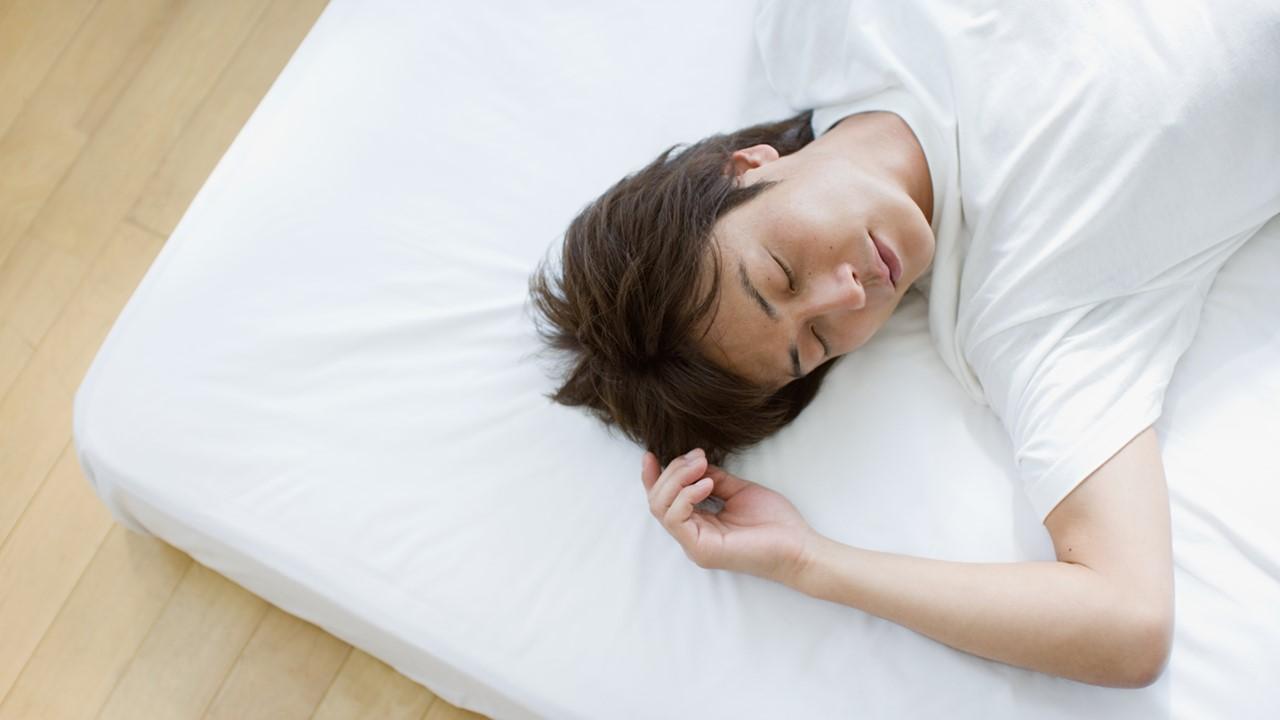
[769, 310]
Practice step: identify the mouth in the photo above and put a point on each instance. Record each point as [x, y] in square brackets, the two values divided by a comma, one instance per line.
[893, 266]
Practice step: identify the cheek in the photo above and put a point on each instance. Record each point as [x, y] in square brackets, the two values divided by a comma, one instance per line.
[862, 326]
[919, 250]
[808, 227]
[917, 234]
[855, 332]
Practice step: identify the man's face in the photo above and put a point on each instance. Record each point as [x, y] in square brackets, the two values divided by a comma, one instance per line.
[806, 266]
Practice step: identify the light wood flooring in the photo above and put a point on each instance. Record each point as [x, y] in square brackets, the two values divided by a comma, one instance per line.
[112, 114]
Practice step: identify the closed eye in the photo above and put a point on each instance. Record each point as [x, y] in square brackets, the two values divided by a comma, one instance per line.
[791, 278]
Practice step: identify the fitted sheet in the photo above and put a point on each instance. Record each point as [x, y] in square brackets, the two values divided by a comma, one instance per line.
[327, 388]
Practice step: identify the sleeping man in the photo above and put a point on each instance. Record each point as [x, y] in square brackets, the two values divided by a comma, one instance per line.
[1061, 180]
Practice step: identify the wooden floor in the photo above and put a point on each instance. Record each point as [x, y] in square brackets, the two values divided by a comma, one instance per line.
[112, 114]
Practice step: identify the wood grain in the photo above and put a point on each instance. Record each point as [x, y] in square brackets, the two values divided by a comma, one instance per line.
[35, 416]
[33, 33]
[98, 630]
[283, 673]
[110, 172]
[205, 139]
[112, 115]
[48, 135]
[190, 649]
[367, 687]
[43, 560]
[39, 406]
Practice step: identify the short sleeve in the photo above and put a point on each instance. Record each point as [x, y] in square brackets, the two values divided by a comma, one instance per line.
[1075, 387]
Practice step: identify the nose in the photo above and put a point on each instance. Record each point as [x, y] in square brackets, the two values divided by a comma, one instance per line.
[837, 291]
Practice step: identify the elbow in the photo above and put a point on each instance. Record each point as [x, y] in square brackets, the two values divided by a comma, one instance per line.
[1149, 640]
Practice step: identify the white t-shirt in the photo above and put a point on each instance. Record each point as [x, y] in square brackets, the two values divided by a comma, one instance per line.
[1094, 164]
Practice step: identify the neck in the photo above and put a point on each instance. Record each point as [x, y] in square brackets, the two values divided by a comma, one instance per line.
[883, 144]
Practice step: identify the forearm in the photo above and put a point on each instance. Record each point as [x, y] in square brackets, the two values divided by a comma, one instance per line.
[1054, 617]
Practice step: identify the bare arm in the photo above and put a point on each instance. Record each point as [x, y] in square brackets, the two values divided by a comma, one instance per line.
[1101, 614]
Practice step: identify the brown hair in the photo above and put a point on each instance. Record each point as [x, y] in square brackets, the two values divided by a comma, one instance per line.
[625, 307]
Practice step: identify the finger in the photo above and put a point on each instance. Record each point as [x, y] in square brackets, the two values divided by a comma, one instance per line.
[726, 484]
[679, 473]
[677, 519]
[649, 469]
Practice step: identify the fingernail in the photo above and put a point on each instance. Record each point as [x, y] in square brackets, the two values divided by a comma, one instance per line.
[693, 454]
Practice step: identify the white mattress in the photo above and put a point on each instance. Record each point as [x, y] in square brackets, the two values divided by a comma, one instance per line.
[325, 390]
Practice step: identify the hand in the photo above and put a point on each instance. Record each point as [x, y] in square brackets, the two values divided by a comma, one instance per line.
[757, 532]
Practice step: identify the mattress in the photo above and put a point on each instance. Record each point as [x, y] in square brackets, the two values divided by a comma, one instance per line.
[328, 389]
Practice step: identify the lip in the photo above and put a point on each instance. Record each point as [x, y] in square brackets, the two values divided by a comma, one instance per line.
[893, 266]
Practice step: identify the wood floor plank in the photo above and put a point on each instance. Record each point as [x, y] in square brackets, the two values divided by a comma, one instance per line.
[35, 416]
[189, 651]
[60, 273]
[14, 354]
[369, 688]
[108, 175]
[102, 54]
[98, 630]
[134, 28]
[74, 338]
[38, 406]
[441, 710]
[148, 117]
[224, 112]
[128, 114]
[34, 156]
[33, 34]
[48, 135]
[283, 672]
[43, 558]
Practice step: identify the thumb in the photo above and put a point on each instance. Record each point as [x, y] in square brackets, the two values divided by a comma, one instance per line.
[726, 483]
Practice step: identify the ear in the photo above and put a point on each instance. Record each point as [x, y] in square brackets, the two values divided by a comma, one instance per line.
[750, 158]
